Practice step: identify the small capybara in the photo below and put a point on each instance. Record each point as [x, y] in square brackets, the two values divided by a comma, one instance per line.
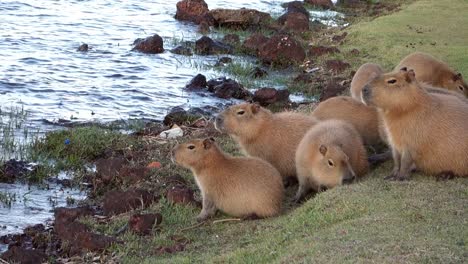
[238, 186]
[363, 75]
[424, 129]
[434, 72]
[261, 133]
[364, 118]
[330, 154]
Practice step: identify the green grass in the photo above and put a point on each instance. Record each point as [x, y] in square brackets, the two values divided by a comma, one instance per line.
[440, 23]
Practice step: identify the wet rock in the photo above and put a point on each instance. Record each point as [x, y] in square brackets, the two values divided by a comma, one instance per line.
[326, 4]
[83, 47]
[182, 50]
[153, 44]
[179, 116]
[142, 224]
[207, 46]
[282, 49]
[63, 214]
[317, 51]
[339, 38]
[193, 10]
[117, 202]
[253, 42]
[34, 230]
[24, 256]
[294, 21]
[222, 61]
[13, 170]
[239, 18]
[180, 195]
[231, 39]
[203, 28]
[336, 66]
[295, 6]
[266, 96]
[133, 175]
[258, 72]
[108, 169]
[332, 88]
[198, 82]
[228, 88]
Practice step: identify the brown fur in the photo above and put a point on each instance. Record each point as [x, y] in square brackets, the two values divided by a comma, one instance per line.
[363, 75]
[238, 186]
[331, 153]
[364, 118]
[260, 133]
[425, 129]
[434, 72]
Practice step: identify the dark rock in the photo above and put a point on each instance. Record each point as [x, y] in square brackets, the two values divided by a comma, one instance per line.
[326, 4]
[258, 72]
[180, 195]
[13, 170]
[193, 10]
[305, 77]
[294, 21]
[34, 230]
[317, 51]
[239, 18]
[198, 82]
[153, 44]
[352, 3]
[332, 88]
[339, 38]
[108, 169]
[207, 46]
[296, 6]
[253, 42]
[182, 50]
[143, 223]
[134, 174]
[93, 241]
[63, 214]
[228, 88]
[179, 116]
[336, 66]
[231, 39]
[266, 96]
[204, 28]
[282, 49]
[355, 52]
[83, 47]
[222, 61]
[117, 202]
[24, 256]
[68, 231]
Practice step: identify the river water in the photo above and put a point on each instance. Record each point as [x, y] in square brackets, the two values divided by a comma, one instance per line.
[42, 72]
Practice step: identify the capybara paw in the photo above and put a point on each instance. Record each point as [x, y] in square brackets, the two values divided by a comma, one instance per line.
[391, 177]
[253, 216]
[202, 217]
[445, 175]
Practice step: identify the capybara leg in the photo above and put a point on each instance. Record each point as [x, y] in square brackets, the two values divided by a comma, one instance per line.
[379, 158]
[396, 165]
[301, 192]
[406, 165]
[289, 181]
[208, 209]
[445, 175]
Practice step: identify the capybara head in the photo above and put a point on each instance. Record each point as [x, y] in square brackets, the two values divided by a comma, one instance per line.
[333, 167]
[242, 120]
[391, 91]
[194, 152]
[457, 84]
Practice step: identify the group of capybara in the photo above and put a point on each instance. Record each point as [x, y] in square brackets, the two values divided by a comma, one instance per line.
[419, 110]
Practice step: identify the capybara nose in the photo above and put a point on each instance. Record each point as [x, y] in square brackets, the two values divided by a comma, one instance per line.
[349, 178]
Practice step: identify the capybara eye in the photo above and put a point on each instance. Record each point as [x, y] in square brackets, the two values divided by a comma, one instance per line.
[461, 88]
[391, 81]
[241, 112]
[330, 163]
[191, 147]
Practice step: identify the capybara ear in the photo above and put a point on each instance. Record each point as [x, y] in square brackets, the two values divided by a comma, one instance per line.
[208, 142]
[410, 76]
[323, 150]
[404, 69]
[255, 108]
[457, 77]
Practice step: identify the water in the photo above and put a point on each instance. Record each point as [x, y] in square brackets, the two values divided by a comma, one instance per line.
[41, 69]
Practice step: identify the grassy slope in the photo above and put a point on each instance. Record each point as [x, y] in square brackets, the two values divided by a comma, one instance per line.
[374, 221]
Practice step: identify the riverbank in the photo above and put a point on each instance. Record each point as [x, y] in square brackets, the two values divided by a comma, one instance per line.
[147, 204]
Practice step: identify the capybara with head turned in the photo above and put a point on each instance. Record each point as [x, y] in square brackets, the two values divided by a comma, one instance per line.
[434, 72]
[330, 154]
[422, 128]
[261, 133]
[363, 75]
[238, 186]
